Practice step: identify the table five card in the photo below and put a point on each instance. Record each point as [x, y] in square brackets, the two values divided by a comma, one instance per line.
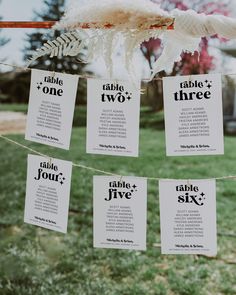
[120, 206]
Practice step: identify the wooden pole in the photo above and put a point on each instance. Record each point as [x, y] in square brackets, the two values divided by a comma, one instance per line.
[26, 24]
[49, 24]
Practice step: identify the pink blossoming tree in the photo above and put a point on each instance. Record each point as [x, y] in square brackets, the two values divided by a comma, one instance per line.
[198, 63]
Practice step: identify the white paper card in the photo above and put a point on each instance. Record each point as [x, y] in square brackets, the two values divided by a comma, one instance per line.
[48, 193]
[188, 217]
[113, 109]
[119, 216]
[193, 115]
[51, 108]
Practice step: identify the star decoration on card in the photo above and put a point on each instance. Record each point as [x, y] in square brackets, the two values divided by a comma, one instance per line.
[133, 188]
[208, 84]
[39, 84]
[62, 180]
[128, 95]
[202, 197]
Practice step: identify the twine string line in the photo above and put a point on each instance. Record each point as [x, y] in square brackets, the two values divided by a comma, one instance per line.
[99, 170]
[106, 172]
[24, 147]
[50, 158]
[80, 76]
[97, 77]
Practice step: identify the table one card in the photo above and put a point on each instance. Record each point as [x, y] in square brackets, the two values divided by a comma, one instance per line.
[51, 108]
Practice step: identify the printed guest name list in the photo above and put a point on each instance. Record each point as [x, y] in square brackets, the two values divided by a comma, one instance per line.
[51, 108]
[119, 217]
[188, 217]
[48, 192]
[112, 118]
[193, 115]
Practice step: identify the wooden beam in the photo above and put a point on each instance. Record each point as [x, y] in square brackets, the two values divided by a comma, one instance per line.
[49, 24]
[26, 24]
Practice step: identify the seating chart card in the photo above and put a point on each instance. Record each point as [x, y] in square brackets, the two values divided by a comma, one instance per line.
[120, 209]
[48, 192]
[51, 108]
[188, 217]
[193, 115]
[113, 109]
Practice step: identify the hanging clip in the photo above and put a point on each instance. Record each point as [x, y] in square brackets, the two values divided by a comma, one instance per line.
[50, 161]
[53, 74]
[190, 78]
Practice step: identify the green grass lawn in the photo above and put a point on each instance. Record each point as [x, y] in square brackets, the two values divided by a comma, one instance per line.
[38, 261]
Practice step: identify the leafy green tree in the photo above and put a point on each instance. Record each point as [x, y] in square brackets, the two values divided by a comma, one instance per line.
[190, 64]
[3, 40]
[53, 10]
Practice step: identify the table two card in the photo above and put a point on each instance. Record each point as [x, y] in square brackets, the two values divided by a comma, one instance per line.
[113, 109]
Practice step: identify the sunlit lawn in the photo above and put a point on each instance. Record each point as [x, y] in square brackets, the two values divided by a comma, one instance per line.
[39, 261]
